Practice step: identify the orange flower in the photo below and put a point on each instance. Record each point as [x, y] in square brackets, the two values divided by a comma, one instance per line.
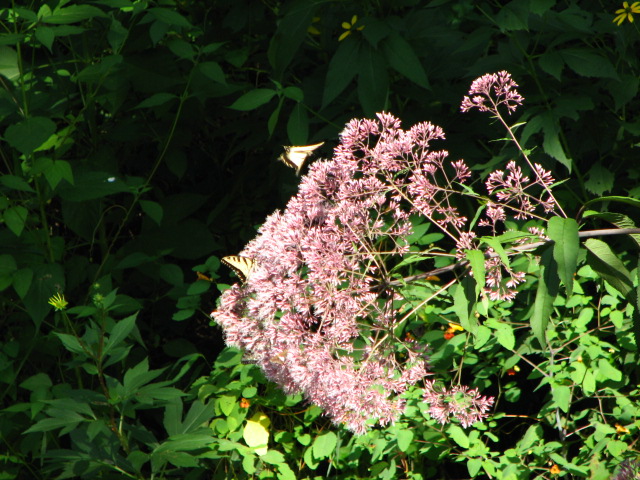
[449, 335]
[244, 403]
[621, 429]
[555, 470]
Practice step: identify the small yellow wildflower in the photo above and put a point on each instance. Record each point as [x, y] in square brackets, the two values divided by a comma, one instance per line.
[58, 302]
[312, 28]
[349, 27]
[455, 328]
[626, 12]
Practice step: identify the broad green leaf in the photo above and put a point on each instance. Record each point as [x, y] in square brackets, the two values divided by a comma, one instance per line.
[324, 445]
[532, 436]
[253, 99]
[404, 439]
[45, 36]
[548, 283]
[403, 59]
[15, 219]
[273, 457]
[373, 81]
[181, 49]
[564, 233]
[56, 172]
[587, 63]
[22, 281]
[16, 183]
[8, 267]
[119, 332]
[29, 134]
[589, 382]
[617, 219]
[609, 371]
[464, 300]
[476, 262]
[170, 17]
[213, 71]
[291, 32]
[606, 264]
[561, 395]
[153, 210]
[599, 180]
[72, 14]
[199, 415]
[256, 433]
[156, 99]
[634, 202]
[342, 69]
[298, 125]
[473, 466]
[71, 343]
[503, 331]
[9, 63]
[457, 434]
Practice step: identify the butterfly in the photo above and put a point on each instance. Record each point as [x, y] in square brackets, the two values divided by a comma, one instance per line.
[241, 265]
[295, 157]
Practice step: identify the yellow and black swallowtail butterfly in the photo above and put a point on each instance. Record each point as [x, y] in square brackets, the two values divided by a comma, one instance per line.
[241, 265]
[295, 157]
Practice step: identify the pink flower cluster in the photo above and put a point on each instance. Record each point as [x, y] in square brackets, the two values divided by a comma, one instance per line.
[316, 312]
[319, 312]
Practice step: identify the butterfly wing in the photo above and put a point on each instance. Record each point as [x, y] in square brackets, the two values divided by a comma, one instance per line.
[296, 156]
[241, 265]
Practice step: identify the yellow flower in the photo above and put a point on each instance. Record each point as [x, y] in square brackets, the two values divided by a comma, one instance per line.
[455, 328]
[349, 27]
[312, 29]
[58, 302]
[621, 429]
[626, 12]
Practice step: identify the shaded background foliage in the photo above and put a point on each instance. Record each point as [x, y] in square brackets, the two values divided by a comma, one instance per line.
[139, 141]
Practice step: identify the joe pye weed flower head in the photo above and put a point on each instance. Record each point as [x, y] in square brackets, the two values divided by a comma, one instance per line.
[319, 312]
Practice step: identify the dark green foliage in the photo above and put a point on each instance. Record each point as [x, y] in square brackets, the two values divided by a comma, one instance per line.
[138, 147]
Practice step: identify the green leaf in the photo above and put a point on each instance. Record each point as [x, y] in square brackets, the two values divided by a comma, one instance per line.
[8, 267]
[342, 69]
[588, 64]
[45, 36]
[609, 371]
[119, 332]
[213, 71]
[22, 281]
[561, 395]
[156, 99]
[29, 134]
[403, 59]
[615, 198]
[15, 218]
[253, 99]
[552, 63]
[16, 183]
[291, 32]
[71, 343]
[9, 63]
[153, 210]
[608, 266]
[298, 125]
[170, 17]
[564, 233]
[599, 180]
[57, 171]
[72, 14]
[458, 435]
[404, 439]
[504, 333]
[476, 262]
[464, 301]
[373, 81]
[324, 445]
[548, 283]
[256, 433]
